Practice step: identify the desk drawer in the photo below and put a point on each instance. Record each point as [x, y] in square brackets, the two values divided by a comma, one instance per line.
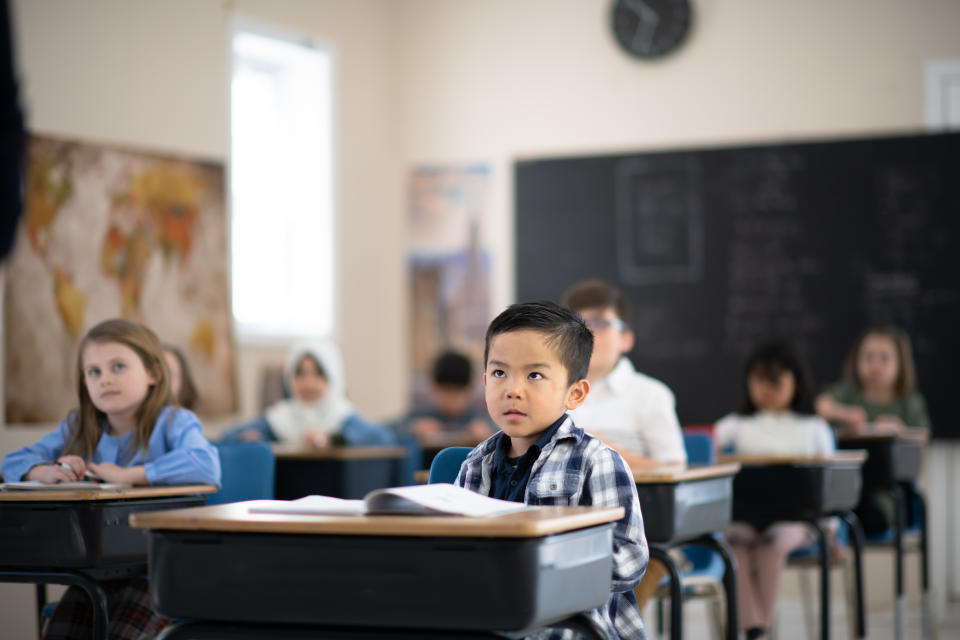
[78, 534]
[468, 583]
[678, 511]
[788, 492]
[888, 460]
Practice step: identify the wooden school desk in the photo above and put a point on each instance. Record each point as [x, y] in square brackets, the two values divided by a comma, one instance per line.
[772, 488]
[341, 472]
[81, 536]
[686, 505]
[374, 574]
[894, 459]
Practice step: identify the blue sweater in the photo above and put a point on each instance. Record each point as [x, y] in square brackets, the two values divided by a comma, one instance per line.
[177, 452]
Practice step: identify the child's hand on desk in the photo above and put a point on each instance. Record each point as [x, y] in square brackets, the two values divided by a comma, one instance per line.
[109, 472]
[317, 438]
[51, 473]
[887, 425]
[856, 419]
[73, 463]
[425, 428]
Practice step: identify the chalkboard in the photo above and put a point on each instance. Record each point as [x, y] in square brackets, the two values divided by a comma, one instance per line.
[719, 248]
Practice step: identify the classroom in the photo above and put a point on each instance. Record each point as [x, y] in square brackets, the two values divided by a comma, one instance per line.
[423, 85]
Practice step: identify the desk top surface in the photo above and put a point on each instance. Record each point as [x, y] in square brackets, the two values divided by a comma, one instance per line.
[296, 452]
[909, 434]
[236, 517]
[670, 473]
[851, 456]
[78, 495]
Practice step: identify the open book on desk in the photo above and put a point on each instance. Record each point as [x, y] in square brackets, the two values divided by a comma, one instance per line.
[33, 485]
[426, 499]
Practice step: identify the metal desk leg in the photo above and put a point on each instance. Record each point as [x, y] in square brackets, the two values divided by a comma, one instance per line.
[898, 526]
[41, 603]
[95, 592]
[856, 537]
[924, 570]
[676, 590]
[824, 579]
[729, 581]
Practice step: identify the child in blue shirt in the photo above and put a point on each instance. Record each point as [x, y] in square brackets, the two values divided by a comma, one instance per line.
[127, 428]
[536, 361]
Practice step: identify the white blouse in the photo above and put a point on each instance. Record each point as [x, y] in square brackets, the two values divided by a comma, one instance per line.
[774, 432]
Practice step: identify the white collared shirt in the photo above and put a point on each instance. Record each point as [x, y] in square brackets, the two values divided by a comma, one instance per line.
[635, 411]
[774, 432]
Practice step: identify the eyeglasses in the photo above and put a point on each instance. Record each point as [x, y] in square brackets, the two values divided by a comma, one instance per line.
[599, 324]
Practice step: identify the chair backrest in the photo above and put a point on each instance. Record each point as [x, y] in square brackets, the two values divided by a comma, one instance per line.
[699, 448]
[446, 464]
[246, 472]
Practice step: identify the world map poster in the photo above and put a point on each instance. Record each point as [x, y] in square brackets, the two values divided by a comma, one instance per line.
[107, 233]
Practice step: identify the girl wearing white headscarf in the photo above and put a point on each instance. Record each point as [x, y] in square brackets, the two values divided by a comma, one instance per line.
[318, 413]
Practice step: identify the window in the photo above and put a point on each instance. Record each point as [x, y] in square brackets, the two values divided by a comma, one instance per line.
[281, 184]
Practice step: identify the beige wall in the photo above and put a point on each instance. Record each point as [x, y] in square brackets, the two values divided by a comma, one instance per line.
[477, 80]
[499, 79]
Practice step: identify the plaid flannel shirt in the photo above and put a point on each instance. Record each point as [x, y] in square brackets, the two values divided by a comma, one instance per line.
[577, 469]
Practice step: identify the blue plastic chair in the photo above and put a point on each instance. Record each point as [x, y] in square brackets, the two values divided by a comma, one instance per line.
[247, 472]
[699, 448]
[446, 464]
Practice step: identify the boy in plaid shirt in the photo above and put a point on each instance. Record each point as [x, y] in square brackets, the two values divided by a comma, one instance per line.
[536, 361]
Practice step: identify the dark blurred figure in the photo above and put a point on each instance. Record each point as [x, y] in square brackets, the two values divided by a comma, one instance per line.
[11, 139]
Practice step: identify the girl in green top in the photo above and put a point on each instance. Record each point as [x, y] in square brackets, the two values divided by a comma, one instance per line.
[877, 395]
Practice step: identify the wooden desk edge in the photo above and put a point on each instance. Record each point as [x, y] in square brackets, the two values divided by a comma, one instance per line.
[38, 495]
[921, 436]
[845, 456]
[287, 452]
[236, 518]
[677, 473]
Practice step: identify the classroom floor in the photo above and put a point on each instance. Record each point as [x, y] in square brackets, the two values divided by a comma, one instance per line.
[791, 621]
[791, 625]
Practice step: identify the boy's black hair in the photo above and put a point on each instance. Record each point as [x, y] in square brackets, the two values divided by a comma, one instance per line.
[452, 369]
[770, 360]
[565, 331]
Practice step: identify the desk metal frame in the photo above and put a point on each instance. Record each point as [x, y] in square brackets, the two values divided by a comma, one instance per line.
[887, 469]
[86, 577]
[660, 551]
[692, 534]
[812, 517]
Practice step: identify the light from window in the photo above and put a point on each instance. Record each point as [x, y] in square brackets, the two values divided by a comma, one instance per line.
[281, 176]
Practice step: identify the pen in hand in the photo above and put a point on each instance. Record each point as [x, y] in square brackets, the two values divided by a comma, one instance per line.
[87, 474]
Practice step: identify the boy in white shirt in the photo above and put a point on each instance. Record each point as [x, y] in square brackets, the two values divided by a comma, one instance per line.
[632, 412]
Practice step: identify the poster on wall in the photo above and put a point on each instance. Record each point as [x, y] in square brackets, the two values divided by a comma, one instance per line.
[110, 232]
[448, 265]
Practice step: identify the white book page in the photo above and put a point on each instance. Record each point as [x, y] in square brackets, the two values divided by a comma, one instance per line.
[449, 498]
[316, 505]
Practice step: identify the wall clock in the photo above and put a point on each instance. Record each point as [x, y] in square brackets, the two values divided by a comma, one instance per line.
[650, 28]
